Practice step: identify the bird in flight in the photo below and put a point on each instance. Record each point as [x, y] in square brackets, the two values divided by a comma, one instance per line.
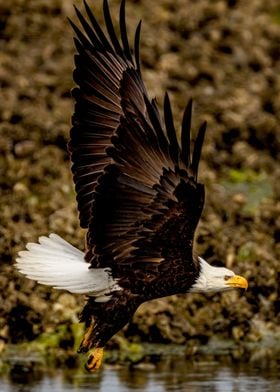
[137, 193]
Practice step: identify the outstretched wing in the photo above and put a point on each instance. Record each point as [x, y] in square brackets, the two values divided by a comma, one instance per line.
[136, 183]
[100, 66]
[148, 201]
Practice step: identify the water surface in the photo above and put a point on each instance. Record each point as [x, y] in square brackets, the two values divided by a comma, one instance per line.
[174, 375]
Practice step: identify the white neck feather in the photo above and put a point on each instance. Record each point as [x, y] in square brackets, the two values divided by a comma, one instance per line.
[211, 279]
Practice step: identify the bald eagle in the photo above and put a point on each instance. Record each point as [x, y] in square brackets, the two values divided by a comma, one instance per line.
[137, 193]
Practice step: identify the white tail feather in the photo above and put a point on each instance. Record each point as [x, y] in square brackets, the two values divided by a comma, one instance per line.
[56, 263]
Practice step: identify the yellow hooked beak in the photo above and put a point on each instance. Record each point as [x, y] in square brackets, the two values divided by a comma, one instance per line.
[238, 282]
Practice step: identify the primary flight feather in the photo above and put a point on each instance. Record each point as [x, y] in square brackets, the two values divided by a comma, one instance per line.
[137, 193]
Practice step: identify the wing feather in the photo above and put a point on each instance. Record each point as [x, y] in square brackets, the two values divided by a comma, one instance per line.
[101, 64]
[171, 132]
[185, 138]
[101, 36]
[126, 48]
[197, 148]
[110, 29]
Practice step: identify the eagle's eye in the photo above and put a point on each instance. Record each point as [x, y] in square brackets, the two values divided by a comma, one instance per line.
[227, 277]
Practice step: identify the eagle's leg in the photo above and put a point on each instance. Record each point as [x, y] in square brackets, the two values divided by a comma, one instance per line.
[103, 320]
[87, 340]
[96, 353]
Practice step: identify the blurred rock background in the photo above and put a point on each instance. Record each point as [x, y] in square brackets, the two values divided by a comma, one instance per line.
[223, 53]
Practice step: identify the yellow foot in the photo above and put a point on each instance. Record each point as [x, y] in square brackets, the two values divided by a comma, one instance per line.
[95, 359]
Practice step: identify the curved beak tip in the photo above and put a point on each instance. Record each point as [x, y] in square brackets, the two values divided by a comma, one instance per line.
[237, 281]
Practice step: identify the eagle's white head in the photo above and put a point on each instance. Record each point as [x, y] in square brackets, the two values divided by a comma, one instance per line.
[214, 279]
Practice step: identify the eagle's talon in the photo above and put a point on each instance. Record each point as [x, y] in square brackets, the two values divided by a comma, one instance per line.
[82, 350]
[94, 360]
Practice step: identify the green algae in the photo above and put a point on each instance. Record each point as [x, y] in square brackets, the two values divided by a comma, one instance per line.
[275, 15]
[255, 186]
[247, 252]
[127, 351]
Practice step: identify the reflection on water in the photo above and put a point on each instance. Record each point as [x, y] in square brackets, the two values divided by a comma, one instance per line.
[174, 375]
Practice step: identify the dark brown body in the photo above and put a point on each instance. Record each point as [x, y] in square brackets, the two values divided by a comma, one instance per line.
[107, 318]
